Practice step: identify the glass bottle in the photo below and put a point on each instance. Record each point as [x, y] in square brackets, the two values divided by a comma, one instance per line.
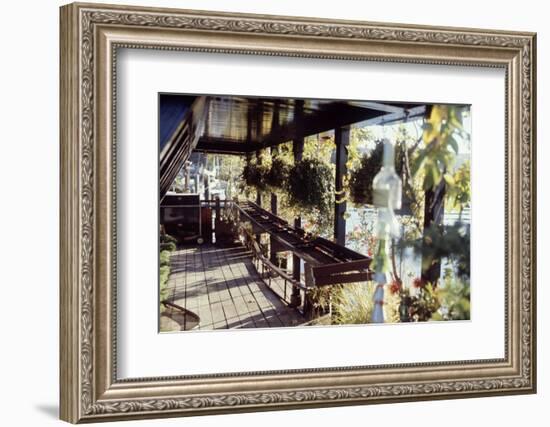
[387, 192]
[387, 189]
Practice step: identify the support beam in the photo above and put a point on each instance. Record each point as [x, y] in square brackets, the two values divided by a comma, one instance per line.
[330, 116]
[298, 151]
[225, 146]
[206, 187]
[274, 203]
[187, 187]
[398, 117]
[342, 142]
[258, 194]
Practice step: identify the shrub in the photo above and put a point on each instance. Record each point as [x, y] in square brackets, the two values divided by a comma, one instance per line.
[352, 303]
[169, 246]
[164, 258]
[164, 274]
[454, 296]
[166, 238]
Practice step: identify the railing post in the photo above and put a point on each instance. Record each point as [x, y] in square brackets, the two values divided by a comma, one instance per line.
[217, 210]
[295, 297]
[298, 151]
[310, 283]
[274, 202]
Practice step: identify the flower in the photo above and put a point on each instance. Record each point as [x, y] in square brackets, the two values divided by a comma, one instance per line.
[395, 287]
[418, 282]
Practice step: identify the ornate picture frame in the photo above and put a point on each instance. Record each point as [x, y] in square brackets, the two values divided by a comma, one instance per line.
[90, 37]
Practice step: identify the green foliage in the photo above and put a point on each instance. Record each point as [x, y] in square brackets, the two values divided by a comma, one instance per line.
[166, 238]
[421, 306]
[277, 175]
[164, 273]
[361, 138]
[321, 299]
[310, 186]
[458, 193]
[178, 185]
[452, 242]
[360, 179]
[169, 246]
[230, 172]
[435, 159]
[320, 147]
[454, 295]
[254, 175]
[164, 258]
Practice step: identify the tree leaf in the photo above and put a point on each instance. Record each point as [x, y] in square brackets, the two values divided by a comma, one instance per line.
[449, 179]
[452, 142]
[436, 174]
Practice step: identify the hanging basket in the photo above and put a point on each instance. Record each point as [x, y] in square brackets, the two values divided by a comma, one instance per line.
[254, 176]
[310, 186]
[277, 176]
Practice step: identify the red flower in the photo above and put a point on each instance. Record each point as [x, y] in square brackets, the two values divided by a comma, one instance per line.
[395, 287]
[419, 282]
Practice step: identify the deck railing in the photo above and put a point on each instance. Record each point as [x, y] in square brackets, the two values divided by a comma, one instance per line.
[269, 271]
[347, 266]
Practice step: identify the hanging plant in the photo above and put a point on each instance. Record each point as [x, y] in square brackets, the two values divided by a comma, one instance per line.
[360, 179]
[310, 186]
[254, 176]
[277, 176]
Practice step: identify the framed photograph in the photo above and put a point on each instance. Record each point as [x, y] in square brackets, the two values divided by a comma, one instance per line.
[267, 212]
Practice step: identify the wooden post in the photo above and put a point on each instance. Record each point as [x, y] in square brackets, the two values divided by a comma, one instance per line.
[272, 251]
[258, 194]
[298, 151]
[206, 187]
[217, 208]
[341, 136]
[310, 283]
[187, 177]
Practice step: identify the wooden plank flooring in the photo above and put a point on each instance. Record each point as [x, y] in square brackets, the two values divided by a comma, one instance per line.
[221, 285]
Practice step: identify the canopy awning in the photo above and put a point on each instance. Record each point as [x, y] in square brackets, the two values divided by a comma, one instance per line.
[241, 125]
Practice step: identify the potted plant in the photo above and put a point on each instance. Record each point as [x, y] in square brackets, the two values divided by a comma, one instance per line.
[254, 175]
[310, 186]
[277, 176]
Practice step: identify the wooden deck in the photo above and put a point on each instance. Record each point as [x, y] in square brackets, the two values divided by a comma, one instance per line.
[222, 287]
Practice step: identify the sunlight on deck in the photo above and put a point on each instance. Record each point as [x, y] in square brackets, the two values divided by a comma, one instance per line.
[222, 287]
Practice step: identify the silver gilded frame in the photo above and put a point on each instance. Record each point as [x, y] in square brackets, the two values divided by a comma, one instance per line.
[90, 37]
